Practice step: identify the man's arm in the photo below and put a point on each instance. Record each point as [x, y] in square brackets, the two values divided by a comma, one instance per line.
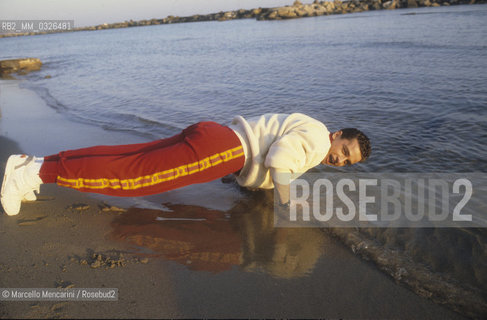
[281, 180]
[283, 192]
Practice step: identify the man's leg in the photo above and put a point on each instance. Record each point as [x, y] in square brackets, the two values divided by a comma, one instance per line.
[201, 153]
[79, 161]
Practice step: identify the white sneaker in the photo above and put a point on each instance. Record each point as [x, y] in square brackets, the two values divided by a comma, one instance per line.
[20, 181]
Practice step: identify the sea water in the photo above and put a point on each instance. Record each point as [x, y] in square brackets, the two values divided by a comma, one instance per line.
[415, 80]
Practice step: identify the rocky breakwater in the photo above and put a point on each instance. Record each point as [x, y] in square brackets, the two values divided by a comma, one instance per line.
[297, 10]
[19, 66]
[319, 8]
[219, 16]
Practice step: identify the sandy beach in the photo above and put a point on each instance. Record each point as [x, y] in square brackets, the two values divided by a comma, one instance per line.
[69, 239]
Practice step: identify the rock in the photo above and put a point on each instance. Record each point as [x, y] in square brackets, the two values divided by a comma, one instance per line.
[337, 3]
[19, 66]
[107, 208]
[309, 9]
[99, 260]
[329, 6]
[243, 14]
[435, 5]
[96, 264]
[389, 5]
[286, 13]
[229, 15]
[375, 5]
[345, 7]
[424, 3]
[412, 4]
[79, 206]
[340, 7]
[297, 3]
[300, 12]
[325, 10]
[321, 11]
[363, 7]
[272, 15]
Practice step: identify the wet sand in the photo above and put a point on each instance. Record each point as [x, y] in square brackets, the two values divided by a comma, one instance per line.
[190, 258]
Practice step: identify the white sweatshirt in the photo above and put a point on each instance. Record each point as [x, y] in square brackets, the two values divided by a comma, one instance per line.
[279, 143]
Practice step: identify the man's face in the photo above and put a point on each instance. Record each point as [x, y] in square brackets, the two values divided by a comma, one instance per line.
[342, 152]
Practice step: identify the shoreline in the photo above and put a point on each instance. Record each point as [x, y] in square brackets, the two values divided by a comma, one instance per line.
[54, 242]
[294, 11]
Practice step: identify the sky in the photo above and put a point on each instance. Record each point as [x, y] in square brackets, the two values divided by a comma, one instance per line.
[94, 12]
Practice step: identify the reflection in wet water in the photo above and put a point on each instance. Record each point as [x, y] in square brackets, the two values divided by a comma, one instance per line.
[213, 240]
[244, 236]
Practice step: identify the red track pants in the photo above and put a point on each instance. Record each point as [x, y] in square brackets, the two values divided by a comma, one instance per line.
[202, 152]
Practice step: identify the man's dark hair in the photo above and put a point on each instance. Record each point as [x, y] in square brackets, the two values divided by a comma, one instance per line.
[363, 140]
